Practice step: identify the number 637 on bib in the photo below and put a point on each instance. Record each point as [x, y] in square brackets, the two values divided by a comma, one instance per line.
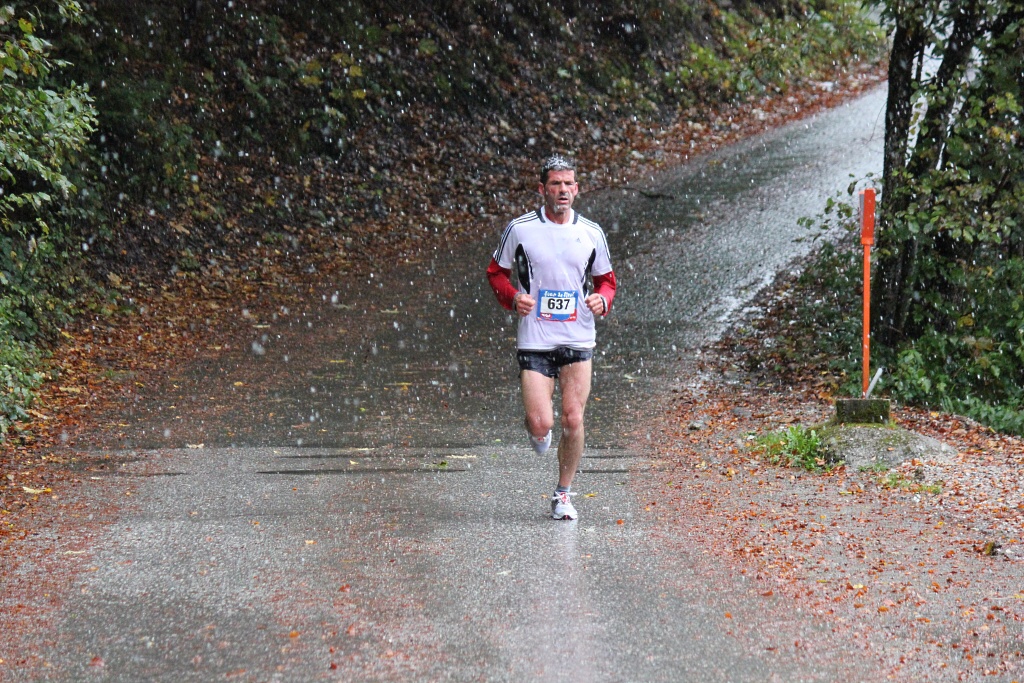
[557, 305]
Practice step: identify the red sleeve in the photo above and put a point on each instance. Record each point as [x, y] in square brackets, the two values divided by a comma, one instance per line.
[605, 286]
[501, 282]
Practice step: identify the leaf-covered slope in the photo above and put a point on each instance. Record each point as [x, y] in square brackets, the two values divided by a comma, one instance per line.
[222, 121]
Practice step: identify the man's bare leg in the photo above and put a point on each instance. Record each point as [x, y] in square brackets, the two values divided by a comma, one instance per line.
[574, 382]
[537, 392]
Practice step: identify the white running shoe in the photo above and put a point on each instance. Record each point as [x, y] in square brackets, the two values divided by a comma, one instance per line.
[561, 506]
[542, 444]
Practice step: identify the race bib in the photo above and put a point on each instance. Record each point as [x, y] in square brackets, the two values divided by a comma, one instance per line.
[557, 306]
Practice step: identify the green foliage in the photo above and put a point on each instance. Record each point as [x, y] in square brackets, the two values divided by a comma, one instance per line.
[967, 358]
[42, 131]
[18, 379]
[796, 446]
[825, 334]
[767, 55]
[704, 74]
[1004, 417]
[953, 235]
[144, 151]
[951, 248]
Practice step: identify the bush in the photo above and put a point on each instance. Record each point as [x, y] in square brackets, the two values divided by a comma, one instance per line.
[968, 354]
[18, 379]
[797, 446]
[43, 129]
[768, 55]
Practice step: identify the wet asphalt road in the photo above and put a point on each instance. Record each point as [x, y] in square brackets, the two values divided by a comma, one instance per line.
[364, 505]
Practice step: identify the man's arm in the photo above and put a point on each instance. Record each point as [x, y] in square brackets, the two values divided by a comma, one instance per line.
[604, 287]
[501, 282]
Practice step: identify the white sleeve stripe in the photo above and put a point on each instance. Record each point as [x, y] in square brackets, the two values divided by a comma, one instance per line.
[599, 230]
[501, 244]
[591, 224]
[525, 218]
[602, 246]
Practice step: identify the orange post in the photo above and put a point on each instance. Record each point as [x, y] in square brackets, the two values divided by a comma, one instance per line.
[867, 239]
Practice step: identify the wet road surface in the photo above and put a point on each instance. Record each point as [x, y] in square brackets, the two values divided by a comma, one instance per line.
[364, 505]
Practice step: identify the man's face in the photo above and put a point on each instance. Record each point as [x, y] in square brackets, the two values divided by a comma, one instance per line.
[559, 192]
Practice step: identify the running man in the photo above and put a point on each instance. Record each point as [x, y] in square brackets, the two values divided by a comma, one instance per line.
[554, 251]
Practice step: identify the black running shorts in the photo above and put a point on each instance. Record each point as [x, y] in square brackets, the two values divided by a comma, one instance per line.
[549, 363]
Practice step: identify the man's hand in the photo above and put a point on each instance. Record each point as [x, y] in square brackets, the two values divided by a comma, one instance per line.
[595, 302]
[523, 303]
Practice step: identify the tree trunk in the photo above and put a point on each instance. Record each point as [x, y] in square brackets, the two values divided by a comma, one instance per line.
[935, 126]
[897, 263]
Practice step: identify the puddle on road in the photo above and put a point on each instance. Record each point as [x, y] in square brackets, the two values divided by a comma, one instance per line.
[368, 470]
[105, 475]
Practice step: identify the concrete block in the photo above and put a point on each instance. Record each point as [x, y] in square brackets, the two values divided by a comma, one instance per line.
[862, 410]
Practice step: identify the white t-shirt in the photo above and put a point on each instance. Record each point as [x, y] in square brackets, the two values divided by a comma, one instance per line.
[552, 261]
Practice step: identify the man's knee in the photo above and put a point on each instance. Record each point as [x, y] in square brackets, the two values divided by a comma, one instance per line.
[572, 420]
[539, 425]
